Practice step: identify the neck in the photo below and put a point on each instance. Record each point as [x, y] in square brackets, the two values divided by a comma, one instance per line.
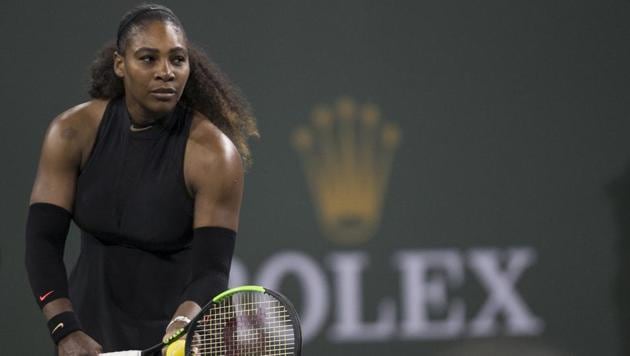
[140, 121]
[141, 118]
[142, 124]
[135, 128]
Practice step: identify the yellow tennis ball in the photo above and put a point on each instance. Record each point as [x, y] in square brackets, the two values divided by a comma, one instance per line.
[176, 348]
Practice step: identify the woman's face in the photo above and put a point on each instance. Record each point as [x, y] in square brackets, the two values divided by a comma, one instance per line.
[154, 69]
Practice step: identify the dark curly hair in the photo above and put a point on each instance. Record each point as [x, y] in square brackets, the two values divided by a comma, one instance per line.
[207, 90]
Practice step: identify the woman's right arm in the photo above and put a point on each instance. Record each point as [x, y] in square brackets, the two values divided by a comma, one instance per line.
[48, 222]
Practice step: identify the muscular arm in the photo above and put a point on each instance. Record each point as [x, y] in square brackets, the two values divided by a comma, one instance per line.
[214, 175]
[55, 181]
[217, 184]
[62, 154]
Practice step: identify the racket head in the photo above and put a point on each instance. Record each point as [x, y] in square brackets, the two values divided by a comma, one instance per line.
[246, 320]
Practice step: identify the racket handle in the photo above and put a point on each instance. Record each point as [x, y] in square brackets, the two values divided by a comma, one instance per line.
[122, 353]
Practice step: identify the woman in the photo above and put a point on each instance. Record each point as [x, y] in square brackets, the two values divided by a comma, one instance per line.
[151, 170]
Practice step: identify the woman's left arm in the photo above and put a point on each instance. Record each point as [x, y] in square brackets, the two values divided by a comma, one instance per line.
[214, 175]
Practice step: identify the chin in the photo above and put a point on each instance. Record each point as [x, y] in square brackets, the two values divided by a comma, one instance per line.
[162, 107]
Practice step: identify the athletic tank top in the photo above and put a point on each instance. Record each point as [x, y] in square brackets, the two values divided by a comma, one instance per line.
[136, 221]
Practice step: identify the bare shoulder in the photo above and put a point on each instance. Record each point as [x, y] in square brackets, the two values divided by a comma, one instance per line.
[211, 157]
[79, 122]
[210, 147]
[72, 133]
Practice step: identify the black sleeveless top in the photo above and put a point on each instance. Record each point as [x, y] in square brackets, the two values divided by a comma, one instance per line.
[136, 221]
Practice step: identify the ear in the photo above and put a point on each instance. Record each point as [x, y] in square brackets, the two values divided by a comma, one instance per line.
[119, 65]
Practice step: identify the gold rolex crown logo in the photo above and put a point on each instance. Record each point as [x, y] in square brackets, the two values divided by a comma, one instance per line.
[347, 153]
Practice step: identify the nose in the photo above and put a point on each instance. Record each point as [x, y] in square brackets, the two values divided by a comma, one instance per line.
[165, 72]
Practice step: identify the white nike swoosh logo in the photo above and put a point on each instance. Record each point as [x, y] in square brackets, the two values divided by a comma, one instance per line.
[60, 325]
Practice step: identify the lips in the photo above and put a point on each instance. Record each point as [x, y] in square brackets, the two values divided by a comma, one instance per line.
[164, 93]
[164, 90]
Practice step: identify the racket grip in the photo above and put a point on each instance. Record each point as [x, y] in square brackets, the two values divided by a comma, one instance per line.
[175, 336]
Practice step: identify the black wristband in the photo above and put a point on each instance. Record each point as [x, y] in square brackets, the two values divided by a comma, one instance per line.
[63, 324]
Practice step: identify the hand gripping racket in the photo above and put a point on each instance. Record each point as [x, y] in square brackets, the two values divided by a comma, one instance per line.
[242, 321]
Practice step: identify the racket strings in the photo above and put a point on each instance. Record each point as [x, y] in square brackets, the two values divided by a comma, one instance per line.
[248, 324]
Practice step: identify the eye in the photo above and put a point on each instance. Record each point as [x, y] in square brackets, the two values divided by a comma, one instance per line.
[147, 58]
[178, 60]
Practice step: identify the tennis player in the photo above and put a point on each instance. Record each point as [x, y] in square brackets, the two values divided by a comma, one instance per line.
[151, 171]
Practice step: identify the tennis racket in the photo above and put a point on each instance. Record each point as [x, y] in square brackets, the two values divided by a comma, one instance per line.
[242, 321]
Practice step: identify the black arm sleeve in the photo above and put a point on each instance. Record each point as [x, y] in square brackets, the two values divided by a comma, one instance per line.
[46, 230]
[212, 252]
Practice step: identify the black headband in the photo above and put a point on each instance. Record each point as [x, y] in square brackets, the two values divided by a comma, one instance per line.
[128, 21]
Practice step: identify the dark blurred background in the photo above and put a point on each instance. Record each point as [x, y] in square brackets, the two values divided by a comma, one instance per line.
[439, 178]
